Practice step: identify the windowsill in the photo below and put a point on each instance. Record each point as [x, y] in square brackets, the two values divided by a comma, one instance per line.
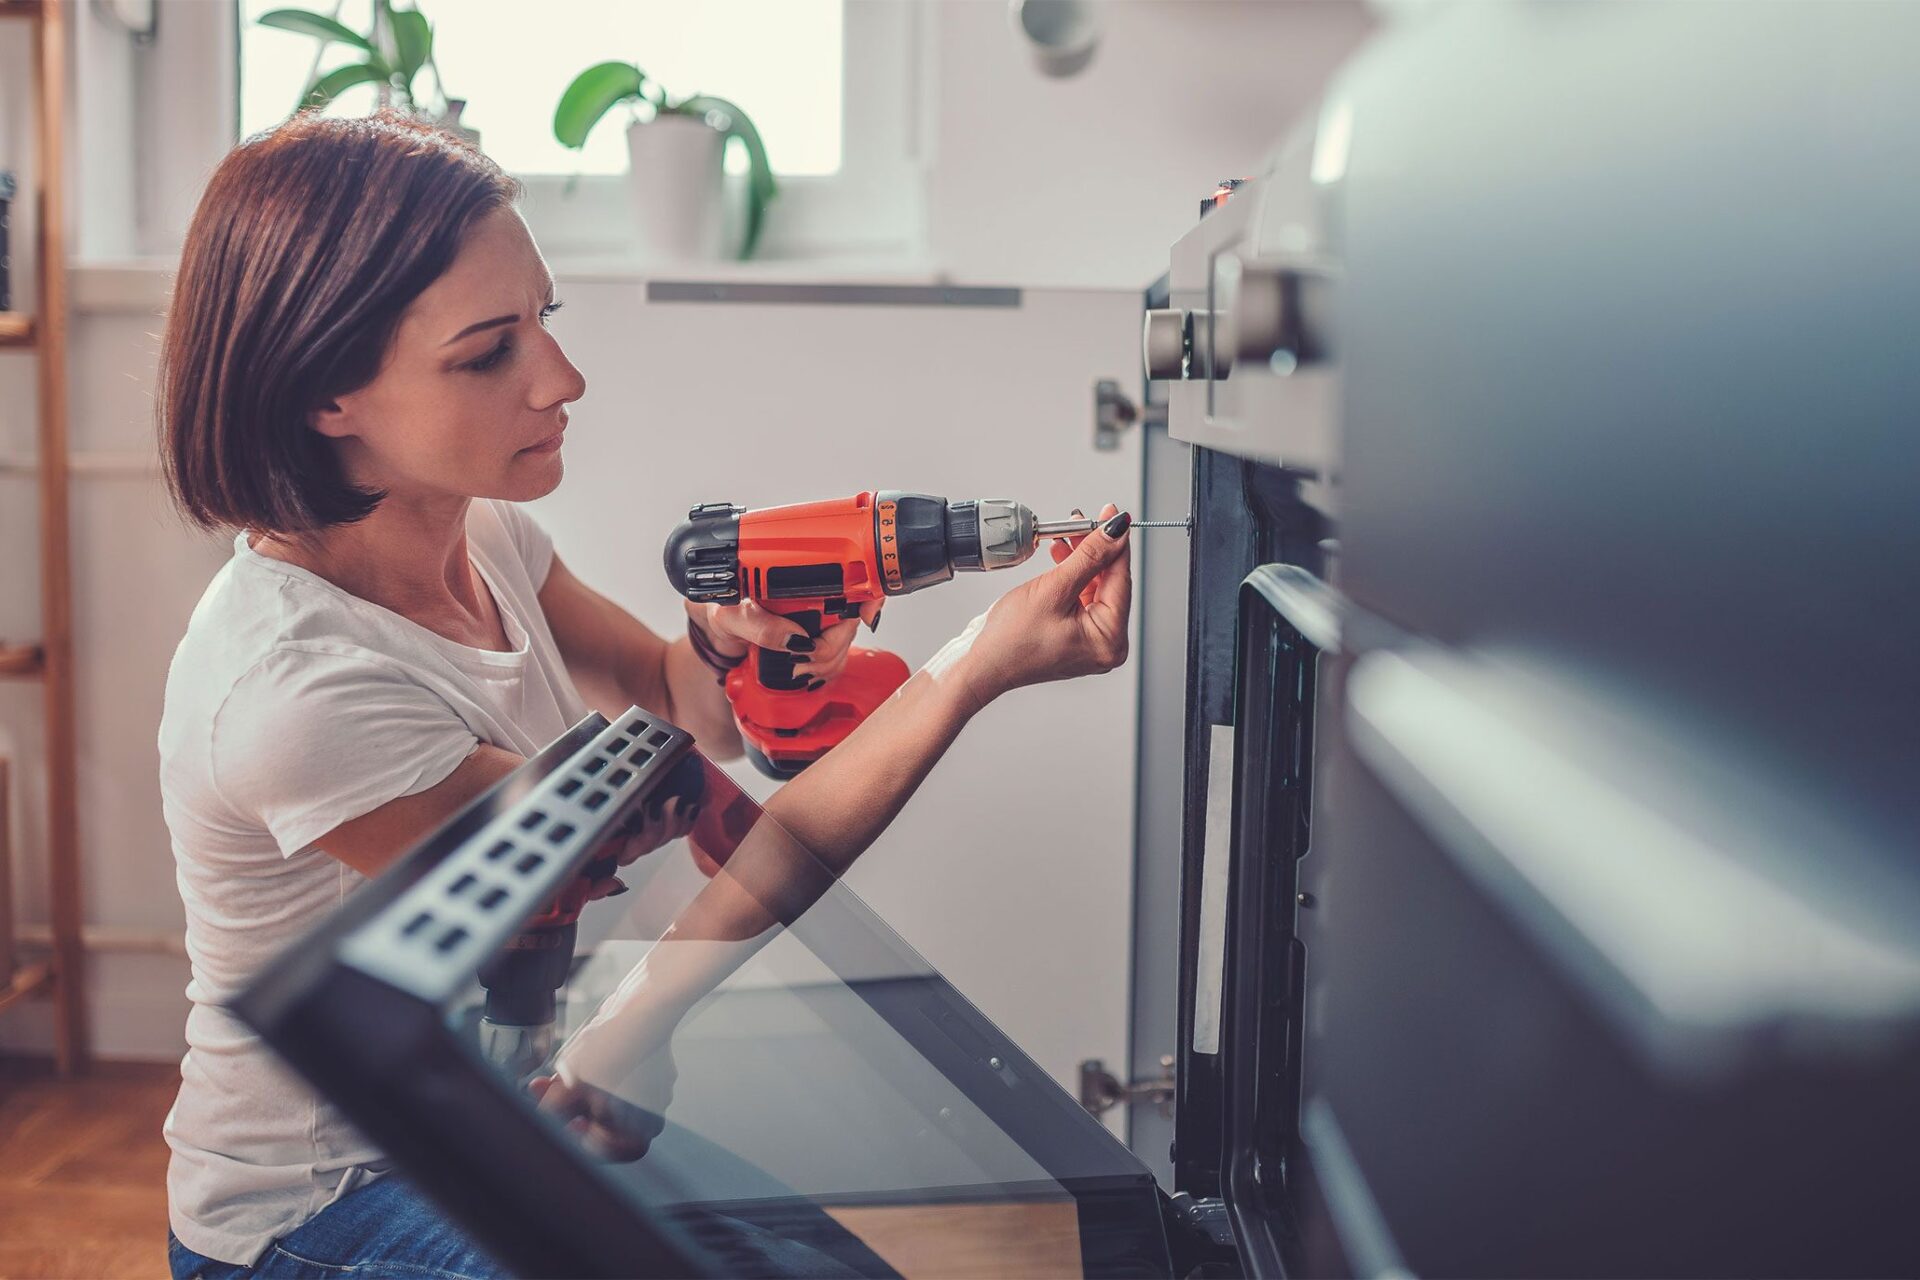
[826, 269]
[142, 285]
[124, 285]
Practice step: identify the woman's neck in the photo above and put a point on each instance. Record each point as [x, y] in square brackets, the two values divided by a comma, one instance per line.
[410, 557]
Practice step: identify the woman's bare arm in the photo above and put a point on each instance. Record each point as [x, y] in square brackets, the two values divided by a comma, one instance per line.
[618, 661]
[374, 841]
[1072, 621]
[1069, 622]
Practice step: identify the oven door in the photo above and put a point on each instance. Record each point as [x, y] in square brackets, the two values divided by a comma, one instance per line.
[753, 1073]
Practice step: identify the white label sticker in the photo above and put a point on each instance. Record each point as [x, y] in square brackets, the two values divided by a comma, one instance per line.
[1216, 856]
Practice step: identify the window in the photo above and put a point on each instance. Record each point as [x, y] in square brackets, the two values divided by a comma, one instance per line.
[835, 87]
[779, 59]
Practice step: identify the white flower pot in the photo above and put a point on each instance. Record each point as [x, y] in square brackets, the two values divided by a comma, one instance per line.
[678, 188]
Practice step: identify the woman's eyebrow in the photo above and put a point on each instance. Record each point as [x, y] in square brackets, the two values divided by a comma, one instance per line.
[476, 328]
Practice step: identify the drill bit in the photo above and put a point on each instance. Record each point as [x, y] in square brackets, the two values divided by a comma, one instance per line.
[1073, 528]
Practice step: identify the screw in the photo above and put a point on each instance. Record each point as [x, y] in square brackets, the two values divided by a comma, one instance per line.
[1305, 899]
[995, 1063]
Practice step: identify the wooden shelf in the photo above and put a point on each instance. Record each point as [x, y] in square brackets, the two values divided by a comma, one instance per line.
[50, 661]
[21, 661]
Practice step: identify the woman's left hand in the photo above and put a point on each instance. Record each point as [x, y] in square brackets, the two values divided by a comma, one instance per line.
[646, 829]
[1070, 621]
[733, 627]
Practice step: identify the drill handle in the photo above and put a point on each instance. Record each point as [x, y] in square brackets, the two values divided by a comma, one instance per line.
[773, 668]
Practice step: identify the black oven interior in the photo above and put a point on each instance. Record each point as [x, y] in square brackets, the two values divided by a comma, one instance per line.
[1470, 996]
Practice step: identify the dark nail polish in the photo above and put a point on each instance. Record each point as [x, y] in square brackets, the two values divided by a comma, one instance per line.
[814, 686]
[693, 814]
[799, 644]
[875, 624]
[619, 887]
[1117, 526]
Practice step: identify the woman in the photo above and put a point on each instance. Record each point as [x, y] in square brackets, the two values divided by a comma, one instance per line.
[357, 376]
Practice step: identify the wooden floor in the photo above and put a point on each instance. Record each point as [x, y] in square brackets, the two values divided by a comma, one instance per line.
[1038, 1241]
[83, 1172]
[83, 1192]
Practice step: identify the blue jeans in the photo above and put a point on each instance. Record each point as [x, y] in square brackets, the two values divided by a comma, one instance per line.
[384, 1229]
[389, 1230]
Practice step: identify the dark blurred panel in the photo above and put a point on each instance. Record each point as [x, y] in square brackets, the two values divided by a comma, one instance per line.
[1604, 958]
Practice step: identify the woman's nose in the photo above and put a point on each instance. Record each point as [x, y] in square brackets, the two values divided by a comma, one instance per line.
[560, 382]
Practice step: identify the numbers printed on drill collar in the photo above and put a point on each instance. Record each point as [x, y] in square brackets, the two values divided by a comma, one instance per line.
[889, 549]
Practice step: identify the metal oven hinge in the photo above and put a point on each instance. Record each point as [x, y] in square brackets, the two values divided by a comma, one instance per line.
[1204, 1219]
[1101, 1091]
[1113, 413]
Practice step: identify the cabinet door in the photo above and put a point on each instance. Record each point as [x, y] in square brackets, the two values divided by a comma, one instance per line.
[804, 397]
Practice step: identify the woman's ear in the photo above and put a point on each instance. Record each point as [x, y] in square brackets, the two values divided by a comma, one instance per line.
[331, 420]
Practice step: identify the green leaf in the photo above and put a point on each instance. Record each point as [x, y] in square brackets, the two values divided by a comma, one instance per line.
[413, 43]
[761, 188]
[329, 86]
[323, 29]
[592, 94]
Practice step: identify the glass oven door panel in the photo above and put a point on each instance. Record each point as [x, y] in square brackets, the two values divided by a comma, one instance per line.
[740, 1053]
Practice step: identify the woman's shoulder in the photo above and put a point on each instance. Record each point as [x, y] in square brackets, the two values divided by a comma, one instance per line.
[239, 619]
[271, 707]
[258, 614]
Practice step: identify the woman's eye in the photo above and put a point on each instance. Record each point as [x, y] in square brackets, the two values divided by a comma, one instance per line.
[492, 357]
[546, 312]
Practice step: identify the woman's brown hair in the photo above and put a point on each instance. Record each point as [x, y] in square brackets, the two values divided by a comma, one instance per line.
[309, 243]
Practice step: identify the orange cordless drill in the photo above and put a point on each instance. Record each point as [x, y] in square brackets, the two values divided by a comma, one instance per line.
[817, 563]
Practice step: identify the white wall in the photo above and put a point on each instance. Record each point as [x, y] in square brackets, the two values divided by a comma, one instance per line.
[1088, 180]
[1031, 182]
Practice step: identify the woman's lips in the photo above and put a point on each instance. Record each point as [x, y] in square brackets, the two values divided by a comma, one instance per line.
[548, 445]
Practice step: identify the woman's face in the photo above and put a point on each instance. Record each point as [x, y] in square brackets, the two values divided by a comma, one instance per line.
[472, 400]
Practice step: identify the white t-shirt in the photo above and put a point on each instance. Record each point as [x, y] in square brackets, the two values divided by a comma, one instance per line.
[292, 707]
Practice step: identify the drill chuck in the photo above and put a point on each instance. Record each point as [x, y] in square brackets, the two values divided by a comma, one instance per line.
[1000, 533]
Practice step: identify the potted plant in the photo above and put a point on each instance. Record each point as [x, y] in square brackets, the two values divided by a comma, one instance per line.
[675, 148]
[393, 53]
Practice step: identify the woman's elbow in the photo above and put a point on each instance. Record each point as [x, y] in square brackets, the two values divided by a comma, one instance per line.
[720, 743]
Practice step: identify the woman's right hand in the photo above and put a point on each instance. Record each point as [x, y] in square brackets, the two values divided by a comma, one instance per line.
[613, 1126]
[1070, 621]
